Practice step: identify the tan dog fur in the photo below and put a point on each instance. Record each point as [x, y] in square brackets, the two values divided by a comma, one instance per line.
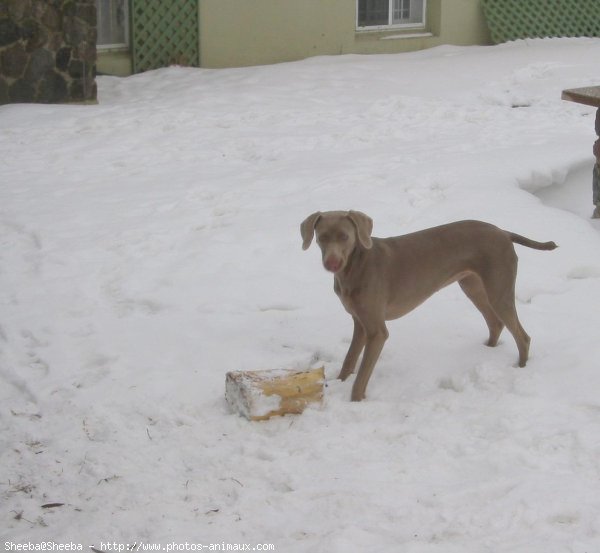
[380, 279]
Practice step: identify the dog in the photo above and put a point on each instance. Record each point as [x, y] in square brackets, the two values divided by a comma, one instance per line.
[381, 279]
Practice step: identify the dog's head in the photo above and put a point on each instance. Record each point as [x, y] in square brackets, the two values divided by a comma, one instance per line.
[338, 234]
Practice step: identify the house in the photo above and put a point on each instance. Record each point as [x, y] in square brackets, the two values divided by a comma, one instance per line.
[50, 50]
[136, 35]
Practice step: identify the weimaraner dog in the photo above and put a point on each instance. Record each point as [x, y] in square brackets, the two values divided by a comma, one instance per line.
[380, 279]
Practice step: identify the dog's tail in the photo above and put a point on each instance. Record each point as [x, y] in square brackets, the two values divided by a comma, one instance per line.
[518, 239]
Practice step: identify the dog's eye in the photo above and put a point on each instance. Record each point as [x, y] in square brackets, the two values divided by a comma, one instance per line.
[343, 237]
[324, 238]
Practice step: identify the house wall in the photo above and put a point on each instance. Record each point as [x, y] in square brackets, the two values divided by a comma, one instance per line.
[114, 62]
[243, 32]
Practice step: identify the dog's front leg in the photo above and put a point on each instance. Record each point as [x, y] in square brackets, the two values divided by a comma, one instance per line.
[376, 335]
[354, 351]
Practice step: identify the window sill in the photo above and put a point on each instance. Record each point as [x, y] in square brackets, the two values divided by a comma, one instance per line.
[111, 48]
[392, 34]
[406, 35]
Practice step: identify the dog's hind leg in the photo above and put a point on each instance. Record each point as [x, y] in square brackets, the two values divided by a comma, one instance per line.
[508, 313]
[500, 287]
[474, 289]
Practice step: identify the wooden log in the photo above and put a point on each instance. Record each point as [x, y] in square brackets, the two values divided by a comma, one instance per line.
[260, 395]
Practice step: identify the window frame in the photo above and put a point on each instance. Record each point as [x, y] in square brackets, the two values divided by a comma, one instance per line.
[392, 26]
[117, 45]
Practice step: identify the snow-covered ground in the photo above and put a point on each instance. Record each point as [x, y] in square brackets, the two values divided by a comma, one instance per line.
[151, 243]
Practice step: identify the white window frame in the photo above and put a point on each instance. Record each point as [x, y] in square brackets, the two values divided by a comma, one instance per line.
[116, 46]
[390, 25]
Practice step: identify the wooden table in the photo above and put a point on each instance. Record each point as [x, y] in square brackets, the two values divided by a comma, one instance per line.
[590, 96]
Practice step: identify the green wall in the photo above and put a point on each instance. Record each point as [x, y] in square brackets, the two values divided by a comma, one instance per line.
[236, 33]
[253, 32]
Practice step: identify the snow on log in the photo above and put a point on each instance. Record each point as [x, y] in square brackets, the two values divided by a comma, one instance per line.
[260, 395]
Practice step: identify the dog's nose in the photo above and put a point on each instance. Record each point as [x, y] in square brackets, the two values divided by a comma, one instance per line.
[333, 264]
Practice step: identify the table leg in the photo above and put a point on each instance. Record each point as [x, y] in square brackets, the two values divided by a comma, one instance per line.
[596, 171]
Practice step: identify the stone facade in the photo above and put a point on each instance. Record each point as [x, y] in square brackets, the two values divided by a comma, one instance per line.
[47, 51]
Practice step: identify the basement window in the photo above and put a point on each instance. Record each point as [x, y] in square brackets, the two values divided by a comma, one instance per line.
[113, 24]
[386, 14]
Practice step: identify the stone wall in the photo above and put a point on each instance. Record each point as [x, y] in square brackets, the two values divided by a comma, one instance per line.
[47, 51]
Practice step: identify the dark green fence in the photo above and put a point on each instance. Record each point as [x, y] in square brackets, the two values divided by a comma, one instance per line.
[515, 19]
[164, 33]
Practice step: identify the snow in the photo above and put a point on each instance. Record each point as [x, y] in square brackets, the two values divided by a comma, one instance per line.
[151, 243]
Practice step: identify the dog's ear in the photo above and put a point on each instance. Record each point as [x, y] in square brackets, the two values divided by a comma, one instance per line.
[364, 227]
[307, 229]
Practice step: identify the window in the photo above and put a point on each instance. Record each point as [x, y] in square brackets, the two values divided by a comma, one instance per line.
[113, 27]
[390, 13]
